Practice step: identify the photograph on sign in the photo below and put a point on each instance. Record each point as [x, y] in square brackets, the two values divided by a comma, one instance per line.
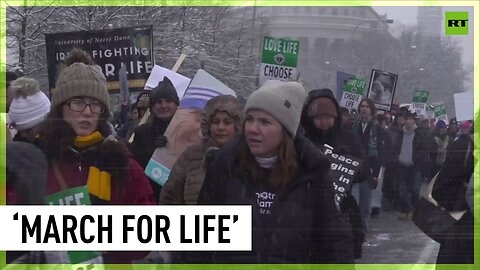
[382, 89]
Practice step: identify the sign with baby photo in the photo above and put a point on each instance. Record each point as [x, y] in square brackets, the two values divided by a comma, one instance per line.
[382, 89]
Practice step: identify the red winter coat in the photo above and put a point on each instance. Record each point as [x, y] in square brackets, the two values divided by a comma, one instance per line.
[134, 190]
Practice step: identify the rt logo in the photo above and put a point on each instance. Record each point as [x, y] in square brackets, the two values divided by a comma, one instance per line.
[456, 23]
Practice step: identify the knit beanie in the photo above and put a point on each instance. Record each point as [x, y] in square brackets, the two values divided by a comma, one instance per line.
[283, 100]
[30, 106]
[143, 99]
[441, 124]
[81, 78]
[465, 125]
[164, 89]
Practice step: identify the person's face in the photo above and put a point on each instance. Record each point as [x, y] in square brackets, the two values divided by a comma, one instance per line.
[164, 108]
[141, 111]
[443, 131]
[409, 122]
[222, 128]
[453, 127]
[134, 114]
[83, 121]
[324, 122]
[388, 119]
[400, 120]
[365, 109]
[263, 133]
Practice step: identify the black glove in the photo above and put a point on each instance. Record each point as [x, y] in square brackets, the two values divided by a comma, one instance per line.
[160, 141]
[372, 182]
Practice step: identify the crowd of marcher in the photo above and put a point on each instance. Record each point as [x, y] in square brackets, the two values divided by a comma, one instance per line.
[266, 152]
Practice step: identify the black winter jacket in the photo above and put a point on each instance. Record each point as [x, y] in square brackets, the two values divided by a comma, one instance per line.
[383, 145]
[143, 143]
[303, 226]
[422, 147]
[451, 185]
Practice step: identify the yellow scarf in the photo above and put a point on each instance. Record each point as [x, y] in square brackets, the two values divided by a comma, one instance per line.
[98, 182]
[87, 141]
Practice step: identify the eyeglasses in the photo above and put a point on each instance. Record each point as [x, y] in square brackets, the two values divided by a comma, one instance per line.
[78, 105]
[320, 117]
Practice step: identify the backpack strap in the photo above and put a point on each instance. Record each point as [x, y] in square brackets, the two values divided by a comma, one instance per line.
[59, 176]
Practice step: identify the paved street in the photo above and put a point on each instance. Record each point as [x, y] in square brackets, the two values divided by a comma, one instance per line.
[392, 241]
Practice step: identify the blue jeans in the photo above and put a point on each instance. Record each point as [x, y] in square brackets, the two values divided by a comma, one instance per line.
[363, 194]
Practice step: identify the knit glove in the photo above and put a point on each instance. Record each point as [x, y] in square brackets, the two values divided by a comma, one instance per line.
[160, 141]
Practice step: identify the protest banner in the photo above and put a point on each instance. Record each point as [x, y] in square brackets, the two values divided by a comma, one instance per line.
[353, 93]
[279, 59]
[110, 49]
[184, 129]
[381, 89]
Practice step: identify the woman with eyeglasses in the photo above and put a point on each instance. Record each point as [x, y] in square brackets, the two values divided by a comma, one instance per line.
[86, 164]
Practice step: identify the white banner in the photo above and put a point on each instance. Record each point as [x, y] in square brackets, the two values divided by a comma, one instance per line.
[134, 228]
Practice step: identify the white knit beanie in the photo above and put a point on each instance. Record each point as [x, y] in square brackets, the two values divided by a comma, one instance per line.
[283, 100]
[30, 105]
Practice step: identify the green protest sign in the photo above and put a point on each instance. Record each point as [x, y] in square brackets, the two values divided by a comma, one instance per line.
[420, 96]
[355, 86]
[440, 109]
[71, 196]
[76, 196]
[279, 59]
[278, 51]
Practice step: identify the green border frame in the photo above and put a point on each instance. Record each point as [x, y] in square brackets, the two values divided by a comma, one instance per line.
[476, 85]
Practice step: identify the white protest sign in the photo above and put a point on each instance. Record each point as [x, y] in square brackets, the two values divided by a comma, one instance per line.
[464, 106]
[179, 81]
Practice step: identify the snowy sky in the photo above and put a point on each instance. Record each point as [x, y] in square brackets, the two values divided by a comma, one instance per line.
[408, 16]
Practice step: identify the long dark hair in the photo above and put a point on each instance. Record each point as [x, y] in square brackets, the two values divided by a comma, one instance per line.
[283, 173]
[370, 104]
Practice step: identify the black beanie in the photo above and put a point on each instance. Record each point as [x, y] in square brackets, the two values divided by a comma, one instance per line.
[164, 89]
